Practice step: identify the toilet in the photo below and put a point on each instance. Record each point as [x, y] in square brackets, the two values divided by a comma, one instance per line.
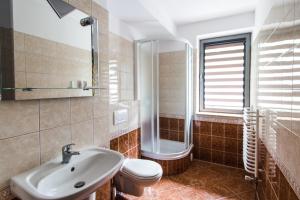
[136, 174]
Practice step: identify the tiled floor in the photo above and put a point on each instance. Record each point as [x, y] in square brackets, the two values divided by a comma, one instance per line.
[202, 181]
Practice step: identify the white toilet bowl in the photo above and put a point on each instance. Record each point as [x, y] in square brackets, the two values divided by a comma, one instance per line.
[136, 174]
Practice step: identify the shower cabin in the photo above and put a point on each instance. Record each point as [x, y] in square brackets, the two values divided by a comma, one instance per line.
[164, 89]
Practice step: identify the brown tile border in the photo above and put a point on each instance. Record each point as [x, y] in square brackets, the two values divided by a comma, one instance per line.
[218, 142]
[128, 144]
[205, 128]
[5, 194]
[171, 128]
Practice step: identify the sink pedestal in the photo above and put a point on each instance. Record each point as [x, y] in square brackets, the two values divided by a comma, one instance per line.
[92, 196]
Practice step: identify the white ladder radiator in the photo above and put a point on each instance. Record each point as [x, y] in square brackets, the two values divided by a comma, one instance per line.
[250, 142]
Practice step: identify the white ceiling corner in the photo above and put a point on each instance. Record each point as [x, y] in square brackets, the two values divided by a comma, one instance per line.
[191, 11]
[159, 19]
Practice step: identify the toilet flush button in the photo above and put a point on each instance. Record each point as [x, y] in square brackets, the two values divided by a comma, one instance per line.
[120, 116]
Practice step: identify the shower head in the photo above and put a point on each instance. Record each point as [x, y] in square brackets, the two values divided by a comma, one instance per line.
[60, 7]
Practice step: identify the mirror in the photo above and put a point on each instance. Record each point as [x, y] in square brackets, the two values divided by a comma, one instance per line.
[52, 51]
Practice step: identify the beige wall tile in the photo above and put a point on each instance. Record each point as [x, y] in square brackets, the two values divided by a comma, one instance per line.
[124, 127]
[113, 129]
[18, 118]
[18, 154]
[54, 113]
[84, 5]
[121, 84]
[102, 15]
[19, 61]
[19, 41]
[133, 115]
[49, 64]
[81, 109]
[101, 106]
[101, 132]
[104, 75]
[172, 83]
[82, 134]
[20, 80]
[34, 63]
[36, 45]
[52, 141]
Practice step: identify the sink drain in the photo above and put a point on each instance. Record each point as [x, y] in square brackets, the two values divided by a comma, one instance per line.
[79, 184]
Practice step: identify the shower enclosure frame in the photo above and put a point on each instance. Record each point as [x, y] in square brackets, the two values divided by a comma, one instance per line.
[154, 152]
[155, 135]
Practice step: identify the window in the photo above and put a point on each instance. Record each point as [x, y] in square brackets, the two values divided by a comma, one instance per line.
[225, 74]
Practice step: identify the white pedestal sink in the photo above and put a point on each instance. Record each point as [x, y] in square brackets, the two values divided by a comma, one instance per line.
[76, 180]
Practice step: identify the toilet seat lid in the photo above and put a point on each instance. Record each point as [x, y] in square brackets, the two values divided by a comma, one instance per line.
[141, 168]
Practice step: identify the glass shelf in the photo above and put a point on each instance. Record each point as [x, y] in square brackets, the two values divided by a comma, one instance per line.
[31, 89]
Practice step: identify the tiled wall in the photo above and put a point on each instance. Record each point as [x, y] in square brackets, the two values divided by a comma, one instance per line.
[276, 61]
[128, 144]
[104, 192]
[32, 132]
[171, 129]
[45, 125]
[274, 184]
[172, 66]
[47, 64]
[218, 142]
[121, 83]
[121, 60]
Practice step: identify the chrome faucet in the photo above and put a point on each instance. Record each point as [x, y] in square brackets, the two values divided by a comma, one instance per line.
[67, 153]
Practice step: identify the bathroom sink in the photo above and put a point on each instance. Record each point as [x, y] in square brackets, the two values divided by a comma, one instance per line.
[75, 180]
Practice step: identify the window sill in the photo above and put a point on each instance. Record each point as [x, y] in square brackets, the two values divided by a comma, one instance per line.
[219, 114]
[219, 117]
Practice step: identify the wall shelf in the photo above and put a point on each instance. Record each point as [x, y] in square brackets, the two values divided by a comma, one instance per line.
[29, 89]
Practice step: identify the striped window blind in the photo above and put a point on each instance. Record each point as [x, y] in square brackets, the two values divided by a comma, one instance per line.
[223, 76]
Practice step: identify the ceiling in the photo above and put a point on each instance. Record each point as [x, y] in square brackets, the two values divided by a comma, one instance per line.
[155, 17]
[135, 14]
[190, 11]
[130, 11]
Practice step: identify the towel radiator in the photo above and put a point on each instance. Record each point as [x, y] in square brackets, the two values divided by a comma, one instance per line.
[250, 142]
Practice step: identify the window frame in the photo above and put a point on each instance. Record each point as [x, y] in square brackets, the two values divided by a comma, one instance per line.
[246, 39]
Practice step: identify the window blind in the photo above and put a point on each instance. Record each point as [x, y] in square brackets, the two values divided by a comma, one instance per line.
[223, 77]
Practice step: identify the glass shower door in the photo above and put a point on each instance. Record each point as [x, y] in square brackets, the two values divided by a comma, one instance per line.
[147, 75]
